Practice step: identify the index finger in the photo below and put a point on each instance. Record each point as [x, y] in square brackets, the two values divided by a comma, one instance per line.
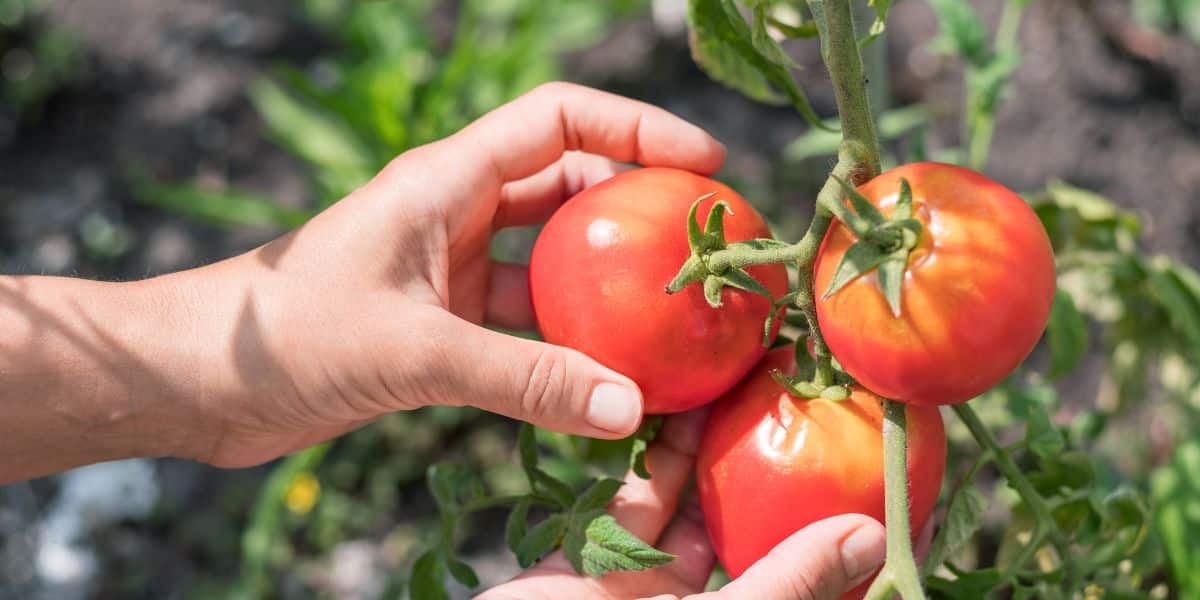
[532, 132]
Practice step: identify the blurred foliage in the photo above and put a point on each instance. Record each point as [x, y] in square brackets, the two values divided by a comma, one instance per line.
[1182, 16]
[35, 58]
[407, 73]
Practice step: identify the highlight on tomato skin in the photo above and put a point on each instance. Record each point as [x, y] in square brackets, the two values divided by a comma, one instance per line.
[770, 464]
[597, 277]
[976, 294]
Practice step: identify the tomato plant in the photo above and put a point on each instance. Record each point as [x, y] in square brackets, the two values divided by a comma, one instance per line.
[976, 292]
[596, 278]
[795, 454]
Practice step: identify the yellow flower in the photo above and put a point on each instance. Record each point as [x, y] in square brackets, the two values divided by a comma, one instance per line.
[302, 494]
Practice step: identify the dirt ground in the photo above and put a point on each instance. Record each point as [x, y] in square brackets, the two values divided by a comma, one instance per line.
[1096, 102]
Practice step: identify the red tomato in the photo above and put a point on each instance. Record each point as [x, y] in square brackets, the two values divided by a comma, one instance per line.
[975, 299]
[770, 463]
[597, 278]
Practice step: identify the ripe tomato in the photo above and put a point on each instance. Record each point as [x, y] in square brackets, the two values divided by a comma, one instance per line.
[597, 277]
[770, 463]
[975, 299]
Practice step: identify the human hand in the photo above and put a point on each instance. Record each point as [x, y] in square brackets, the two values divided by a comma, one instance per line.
[375, 305]
[820, 562]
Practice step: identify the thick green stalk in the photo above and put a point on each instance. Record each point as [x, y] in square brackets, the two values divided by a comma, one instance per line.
[899, 573]
[839, 49]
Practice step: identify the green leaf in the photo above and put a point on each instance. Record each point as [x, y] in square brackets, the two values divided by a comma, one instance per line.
[1044, 439]
[762, 40]
[1067, 335]
[722, 48]
[963, 519]
[443, 480]
[891, 278]
[527, 446]
[597, 495]
[893, 124]
[971, 585]
[1174, 490]
[858, 260]
[541, 539]
[576, 538]
[222, 207]
[641, 442]
[878, 25]
[553, 488]
[516, 524]
[806, 29]
[462, 572]
[611, 547]
[428, 580]
[960, 31]
[1177, 290]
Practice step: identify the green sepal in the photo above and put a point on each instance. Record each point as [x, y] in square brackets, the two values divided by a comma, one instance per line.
[891, 278]
[742, 280]
[714, 226]
[712, 290]
[835, 393]
[859, 259]
[861, 205]
[695, 234]
[693, 270]
[904, 204]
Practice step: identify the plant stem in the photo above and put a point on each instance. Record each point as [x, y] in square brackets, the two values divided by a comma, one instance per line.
[899, 573]
[839, 49]
[1044, 524]
[981, 125]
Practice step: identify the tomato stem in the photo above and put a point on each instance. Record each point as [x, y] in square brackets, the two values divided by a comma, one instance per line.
[1045, 527]
[899, 573]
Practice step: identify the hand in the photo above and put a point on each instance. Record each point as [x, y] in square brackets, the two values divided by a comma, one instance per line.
[376, 304]
[819, 562]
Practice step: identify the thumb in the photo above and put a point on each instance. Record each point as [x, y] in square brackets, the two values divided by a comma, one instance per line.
[550, 386]
[820, 562]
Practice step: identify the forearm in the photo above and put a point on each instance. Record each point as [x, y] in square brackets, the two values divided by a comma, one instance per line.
[93, 371]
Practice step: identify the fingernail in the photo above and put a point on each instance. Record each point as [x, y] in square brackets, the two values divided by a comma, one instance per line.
[863, 552]
[614, 407]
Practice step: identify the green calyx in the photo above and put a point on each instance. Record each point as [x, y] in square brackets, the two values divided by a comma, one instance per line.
[709, 261]
[884, 243]
[810, 390]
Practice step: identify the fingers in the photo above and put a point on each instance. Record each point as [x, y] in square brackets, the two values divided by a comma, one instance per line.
[644, 507]
[507, 304]
[533, 199]
[820, 562]
[532, 132]
[687, 539]
[550, 386]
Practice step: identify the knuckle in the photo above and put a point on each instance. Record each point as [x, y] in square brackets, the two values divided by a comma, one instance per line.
[546, 383]
[803, 586]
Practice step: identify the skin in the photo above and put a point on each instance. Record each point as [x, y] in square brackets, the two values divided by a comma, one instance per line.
[373, 306]
[771, 463]
[976, 295]
[597, 275]
[818, 562]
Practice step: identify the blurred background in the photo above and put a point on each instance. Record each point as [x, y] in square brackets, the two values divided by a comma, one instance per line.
[140, 137]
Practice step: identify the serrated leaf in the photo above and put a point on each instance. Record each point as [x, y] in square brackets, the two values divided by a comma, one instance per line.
[462, 572]
[428, 578]
[761, 38]
[1066, 334]
[516, 524]
[610, 547]
[963, 519]
[878, 25]
[597, 495]
[722, 48]
[712, 290]
[858, 260]
[891, 279]
[541, 539]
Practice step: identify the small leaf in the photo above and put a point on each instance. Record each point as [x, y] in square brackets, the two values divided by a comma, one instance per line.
[541, 539]
[878, 25]
[527, 445]
[762, 40]
[970, 585]
[712, 290]
[597, 495]
[516, 524]
[442, 481]
[575, 539]
[553, 488]
[641, 442]
[611, 547]
[428, 579]
[891, 279]
[1043, 437]
[858, 260]
[964, 517]
[1067, 335]
[806, 29]
[462, 572]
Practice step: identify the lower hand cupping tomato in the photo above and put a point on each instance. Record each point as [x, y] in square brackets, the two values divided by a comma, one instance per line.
[770, 463]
